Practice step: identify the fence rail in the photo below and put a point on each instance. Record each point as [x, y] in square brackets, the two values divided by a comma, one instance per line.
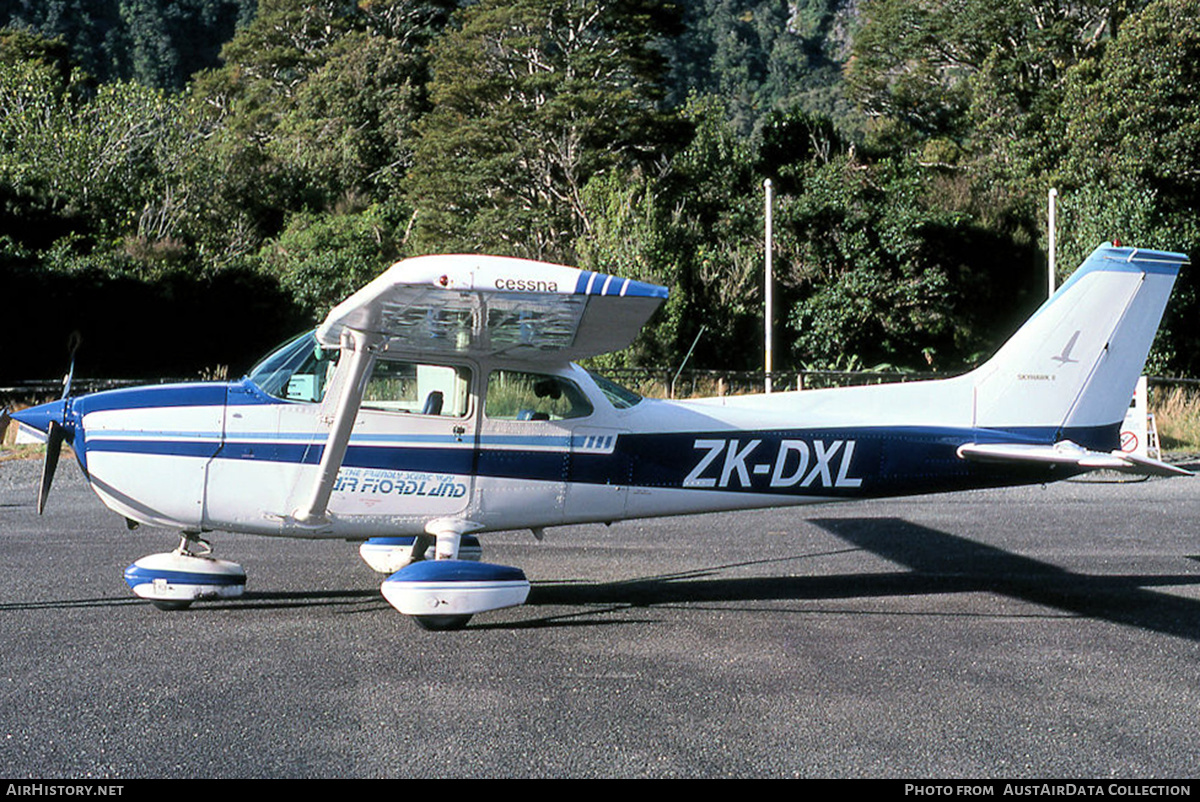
[653, 382]
[43, 388]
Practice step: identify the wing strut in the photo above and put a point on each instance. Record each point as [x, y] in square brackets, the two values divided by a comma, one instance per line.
[361, 346]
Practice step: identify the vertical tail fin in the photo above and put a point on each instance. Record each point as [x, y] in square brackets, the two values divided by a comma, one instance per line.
[1070, 371]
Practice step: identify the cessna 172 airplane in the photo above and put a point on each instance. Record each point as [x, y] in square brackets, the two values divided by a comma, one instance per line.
[441, 402]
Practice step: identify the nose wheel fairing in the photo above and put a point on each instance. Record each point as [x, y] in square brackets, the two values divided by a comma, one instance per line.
[173, 580]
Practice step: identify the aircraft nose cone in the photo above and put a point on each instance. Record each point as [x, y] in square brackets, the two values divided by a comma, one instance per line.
[39, 417]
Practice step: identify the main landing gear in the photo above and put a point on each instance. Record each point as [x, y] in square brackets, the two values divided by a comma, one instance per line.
[443, 593]
[172, 580]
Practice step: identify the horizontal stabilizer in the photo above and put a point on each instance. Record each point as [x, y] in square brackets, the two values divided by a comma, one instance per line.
[1067, 453]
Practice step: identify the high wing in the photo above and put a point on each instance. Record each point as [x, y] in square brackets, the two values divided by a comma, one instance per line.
[474, 306]
[491, 305]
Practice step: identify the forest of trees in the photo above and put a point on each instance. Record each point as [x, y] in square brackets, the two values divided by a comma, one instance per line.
[187, 182]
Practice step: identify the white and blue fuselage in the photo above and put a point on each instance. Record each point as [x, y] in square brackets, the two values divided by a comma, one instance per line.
[215, 456]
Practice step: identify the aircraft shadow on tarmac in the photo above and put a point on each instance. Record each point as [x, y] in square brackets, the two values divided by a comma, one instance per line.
[366, 600]
[936, 563]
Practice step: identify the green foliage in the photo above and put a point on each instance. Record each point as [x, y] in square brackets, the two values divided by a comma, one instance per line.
[158, 43]
[886, 271]
[531, 99]
[945, 68]
[104, 160]
[627, 136]
[244, 104]
[312, 112]
[760, 56]
[908, 69]
[696, 228]
[20, 46]
[1132, 155]
[791, 141]
[867, 260]
[1134, 116]
[629, 237]
[350, 127]
[320, 259]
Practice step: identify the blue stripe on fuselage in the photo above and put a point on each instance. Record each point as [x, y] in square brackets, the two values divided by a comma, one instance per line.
[388, 457]
[850, 461]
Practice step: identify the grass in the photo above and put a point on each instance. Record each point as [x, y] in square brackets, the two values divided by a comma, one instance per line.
[1177, 415]
[24, 451]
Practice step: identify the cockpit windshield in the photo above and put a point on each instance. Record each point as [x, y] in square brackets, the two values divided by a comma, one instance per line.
[299, 370]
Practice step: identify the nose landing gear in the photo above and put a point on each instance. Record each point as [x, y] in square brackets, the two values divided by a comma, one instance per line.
[172, 580]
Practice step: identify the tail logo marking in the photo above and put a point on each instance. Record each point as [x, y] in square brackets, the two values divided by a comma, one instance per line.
[1065, 357]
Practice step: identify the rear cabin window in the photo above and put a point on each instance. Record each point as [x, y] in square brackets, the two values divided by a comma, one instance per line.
[514, 395]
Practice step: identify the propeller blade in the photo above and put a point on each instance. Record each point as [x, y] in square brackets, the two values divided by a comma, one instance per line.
[54, 441]
[57, 432]
[73, 343]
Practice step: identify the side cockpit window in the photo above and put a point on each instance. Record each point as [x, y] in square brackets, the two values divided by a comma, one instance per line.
[620, 397]
[299, 370]
[418, 388]
[513, 395]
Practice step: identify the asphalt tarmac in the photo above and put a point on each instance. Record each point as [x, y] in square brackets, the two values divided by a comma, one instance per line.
[1040, 632]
